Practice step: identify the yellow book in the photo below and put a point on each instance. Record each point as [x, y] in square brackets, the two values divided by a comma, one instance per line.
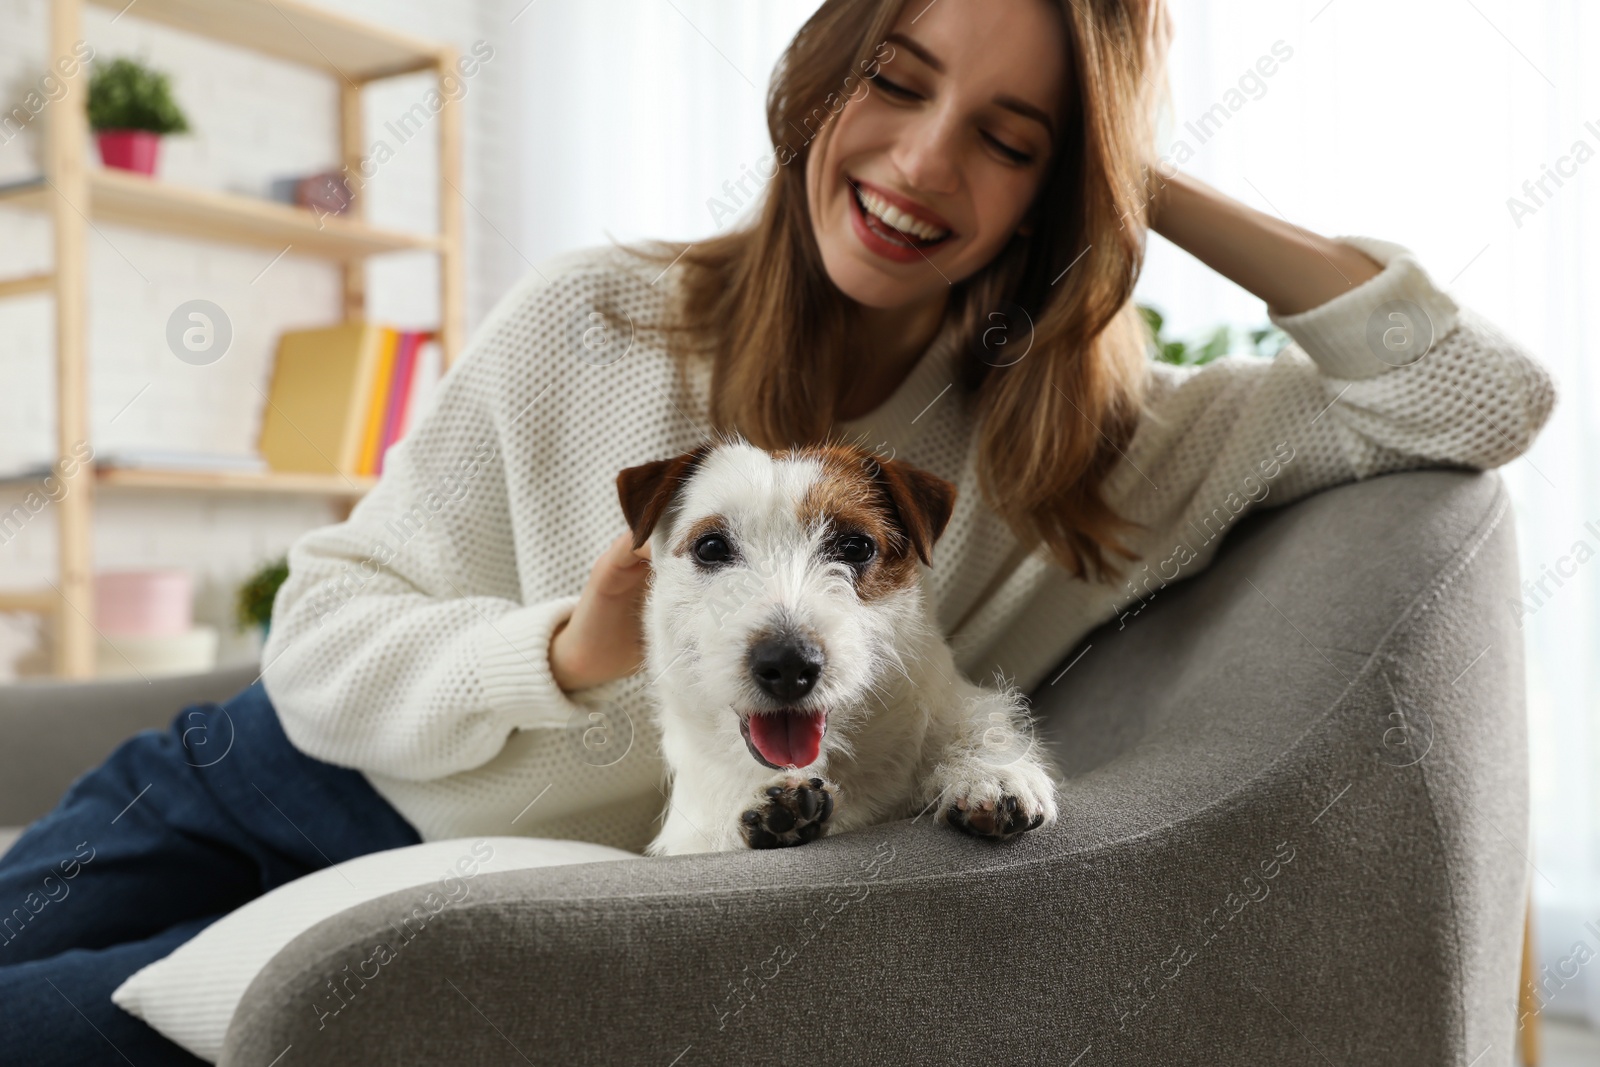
[322, 383]
[378, 402]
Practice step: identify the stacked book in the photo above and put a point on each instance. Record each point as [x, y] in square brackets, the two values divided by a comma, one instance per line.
[342, 396]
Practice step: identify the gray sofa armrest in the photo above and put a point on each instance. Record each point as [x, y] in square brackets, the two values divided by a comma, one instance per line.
[51, 732]
[1294, 825]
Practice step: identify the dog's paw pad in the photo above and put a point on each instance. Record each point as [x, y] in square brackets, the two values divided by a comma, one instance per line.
[1002, 818]
[789, 812]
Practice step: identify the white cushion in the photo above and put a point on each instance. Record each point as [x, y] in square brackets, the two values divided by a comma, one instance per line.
[190, 996]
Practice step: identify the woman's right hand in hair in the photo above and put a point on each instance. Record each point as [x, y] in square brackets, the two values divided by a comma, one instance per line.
[604, 637]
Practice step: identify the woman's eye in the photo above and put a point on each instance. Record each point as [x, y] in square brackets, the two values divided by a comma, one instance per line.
[894, 89]
[1016, 156]
[713, 548]
[855, 549]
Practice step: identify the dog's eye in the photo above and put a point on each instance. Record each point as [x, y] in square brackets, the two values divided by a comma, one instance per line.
[855, 549]
[713, 548]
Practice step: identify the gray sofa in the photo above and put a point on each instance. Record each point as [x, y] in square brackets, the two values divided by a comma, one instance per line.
[1295, 827]
[51, 733]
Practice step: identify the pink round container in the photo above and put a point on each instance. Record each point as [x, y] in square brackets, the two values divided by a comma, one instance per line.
[144, 603]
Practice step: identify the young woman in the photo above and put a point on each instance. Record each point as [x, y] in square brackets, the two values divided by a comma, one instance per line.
[941, 268]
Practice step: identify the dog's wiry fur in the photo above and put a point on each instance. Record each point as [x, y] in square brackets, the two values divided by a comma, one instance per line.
[904, 733]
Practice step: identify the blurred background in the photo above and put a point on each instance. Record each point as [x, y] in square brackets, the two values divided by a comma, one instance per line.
[1466, 130]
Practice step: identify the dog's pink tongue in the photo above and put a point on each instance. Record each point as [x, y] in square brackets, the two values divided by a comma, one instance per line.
[788, 738]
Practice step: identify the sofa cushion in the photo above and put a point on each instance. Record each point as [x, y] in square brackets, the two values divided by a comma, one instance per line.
[190, 995]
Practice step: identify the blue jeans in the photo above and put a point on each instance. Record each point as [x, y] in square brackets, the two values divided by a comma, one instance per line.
[174, 830]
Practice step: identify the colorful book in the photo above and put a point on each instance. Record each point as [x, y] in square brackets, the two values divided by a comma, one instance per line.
[399, 388]
[377, 397]
[173, 459]
[319, 404]
[409, 386]
[429, 369]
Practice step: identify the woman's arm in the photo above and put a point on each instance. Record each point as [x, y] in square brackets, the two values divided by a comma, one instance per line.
[1291, 269]
[412, 639]
[1387, 376]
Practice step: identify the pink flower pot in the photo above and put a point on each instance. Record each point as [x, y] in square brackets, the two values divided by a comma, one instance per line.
[129, 149]
[155, 603]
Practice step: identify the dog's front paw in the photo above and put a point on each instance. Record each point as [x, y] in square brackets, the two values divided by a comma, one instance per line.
[789, 811]
[999, 805]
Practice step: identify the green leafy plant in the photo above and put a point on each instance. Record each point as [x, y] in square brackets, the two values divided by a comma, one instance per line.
[1265, 341]
[254, 604]
[127, 95]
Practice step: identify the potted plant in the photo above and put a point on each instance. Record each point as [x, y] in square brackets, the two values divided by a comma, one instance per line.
[130, 108]
[254, 604]
[1266, 341]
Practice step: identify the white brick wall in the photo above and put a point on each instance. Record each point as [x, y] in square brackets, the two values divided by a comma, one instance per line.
[253, 119]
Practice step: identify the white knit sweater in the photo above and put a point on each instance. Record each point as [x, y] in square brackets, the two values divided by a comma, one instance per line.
[411, 641]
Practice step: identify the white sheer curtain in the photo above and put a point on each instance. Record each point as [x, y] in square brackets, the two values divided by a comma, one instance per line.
[1410, 121]
[635, 114]
[1417, 122]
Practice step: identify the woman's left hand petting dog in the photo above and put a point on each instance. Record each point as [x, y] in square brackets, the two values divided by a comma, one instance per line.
[801, 685]
[604, 636]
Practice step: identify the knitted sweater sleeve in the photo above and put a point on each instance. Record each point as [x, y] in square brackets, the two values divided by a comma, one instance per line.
[406, 640]
[1390, 375]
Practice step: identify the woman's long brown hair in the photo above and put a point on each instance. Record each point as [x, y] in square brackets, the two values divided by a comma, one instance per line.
[759, 303]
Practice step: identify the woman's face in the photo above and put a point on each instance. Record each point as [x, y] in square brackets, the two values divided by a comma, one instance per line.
[951, 142]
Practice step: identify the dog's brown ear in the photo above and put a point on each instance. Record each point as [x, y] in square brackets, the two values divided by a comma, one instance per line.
[646, 490]
[922, 502]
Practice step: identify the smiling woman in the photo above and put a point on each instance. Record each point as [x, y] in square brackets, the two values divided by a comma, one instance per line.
[993, 164]
[973, 133]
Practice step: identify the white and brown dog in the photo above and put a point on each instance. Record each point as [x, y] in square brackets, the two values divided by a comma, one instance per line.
[800, 684]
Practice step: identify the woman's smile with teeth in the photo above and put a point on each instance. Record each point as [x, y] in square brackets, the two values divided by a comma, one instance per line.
[877, 209]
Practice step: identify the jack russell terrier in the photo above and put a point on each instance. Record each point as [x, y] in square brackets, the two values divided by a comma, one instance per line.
[800, 685]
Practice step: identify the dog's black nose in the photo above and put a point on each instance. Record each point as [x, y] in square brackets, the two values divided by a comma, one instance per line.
[785, 666]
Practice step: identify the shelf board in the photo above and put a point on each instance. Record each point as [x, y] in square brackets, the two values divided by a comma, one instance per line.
[134, 200]
[293, 30]
[279, 482]
[330, 485]
[26, 285]
[43, 602]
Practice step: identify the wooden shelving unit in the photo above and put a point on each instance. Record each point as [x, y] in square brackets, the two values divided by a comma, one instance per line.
[329, 485]
[133, 200]
[72, 193]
